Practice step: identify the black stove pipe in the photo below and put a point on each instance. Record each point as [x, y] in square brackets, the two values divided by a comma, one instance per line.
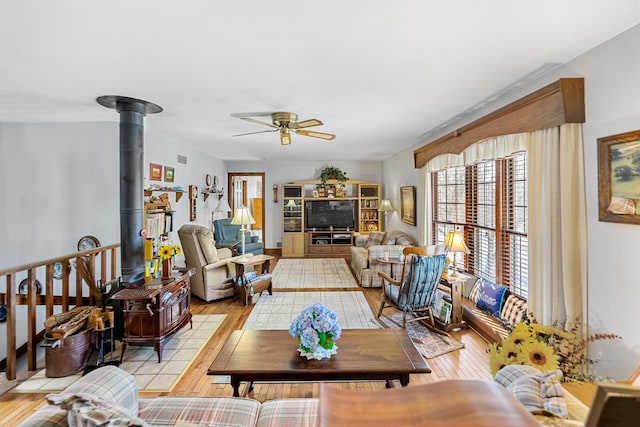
[132, 112]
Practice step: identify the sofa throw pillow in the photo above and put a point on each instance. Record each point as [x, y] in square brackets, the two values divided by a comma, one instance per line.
[513, 311]
[375, 238]
[389, 239]
[541, 393]
[490, 297]
[473, 293]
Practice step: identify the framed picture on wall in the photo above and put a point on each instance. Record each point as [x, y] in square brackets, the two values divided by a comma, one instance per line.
[168, 173]
[155, 172]
[408, 204]
[618, 178]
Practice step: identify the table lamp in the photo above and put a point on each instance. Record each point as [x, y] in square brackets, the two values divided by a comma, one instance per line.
[385, 207]
[222, 206]
[243, 217]
[455, 243]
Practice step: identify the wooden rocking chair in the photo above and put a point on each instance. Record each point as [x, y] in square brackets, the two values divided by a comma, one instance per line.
[414, 292]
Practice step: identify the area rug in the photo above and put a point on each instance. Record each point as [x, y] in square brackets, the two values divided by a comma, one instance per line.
[277, 311]
[429, 343]
[142, 362]
[319, 273]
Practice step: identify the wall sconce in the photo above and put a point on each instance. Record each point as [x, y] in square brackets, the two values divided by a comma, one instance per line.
[275, 193]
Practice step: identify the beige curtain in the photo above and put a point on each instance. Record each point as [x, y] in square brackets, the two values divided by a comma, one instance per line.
[557, 214]
[424, 226]
[557, 224]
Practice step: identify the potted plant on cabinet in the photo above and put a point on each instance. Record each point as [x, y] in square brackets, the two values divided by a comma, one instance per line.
[332, 172]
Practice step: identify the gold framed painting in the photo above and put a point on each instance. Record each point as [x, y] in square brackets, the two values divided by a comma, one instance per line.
[155, 172]
[408, 204]
[619, 178]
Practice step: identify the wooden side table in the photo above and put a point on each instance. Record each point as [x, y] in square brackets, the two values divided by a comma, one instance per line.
[454, 283]
[244, 289]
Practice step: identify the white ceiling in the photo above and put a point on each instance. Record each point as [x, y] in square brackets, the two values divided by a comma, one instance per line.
[379, 73]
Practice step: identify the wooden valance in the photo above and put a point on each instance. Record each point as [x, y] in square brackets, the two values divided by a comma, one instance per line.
[553, 105]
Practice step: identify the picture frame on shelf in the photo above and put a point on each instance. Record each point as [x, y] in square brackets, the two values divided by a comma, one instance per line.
[155, 172]
[169, 173]
[618, 185]
[408, 204]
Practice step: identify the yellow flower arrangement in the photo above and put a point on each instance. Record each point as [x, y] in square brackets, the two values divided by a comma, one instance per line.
[546, 348]
[168, 250]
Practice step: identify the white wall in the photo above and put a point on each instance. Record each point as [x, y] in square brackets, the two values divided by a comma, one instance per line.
[284, 172]
[612, 92]
[60, 181]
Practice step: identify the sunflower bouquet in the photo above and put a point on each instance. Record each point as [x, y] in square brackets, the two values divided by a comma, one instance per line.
[546, 348]
[168, 250]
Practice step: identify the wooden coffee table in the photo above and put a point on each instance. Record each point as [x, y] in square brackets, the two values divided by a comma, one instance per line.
[363, 354]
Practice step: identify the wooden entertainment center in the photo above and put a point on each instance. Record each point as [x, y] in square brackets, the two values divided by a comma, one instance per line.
[323, 226]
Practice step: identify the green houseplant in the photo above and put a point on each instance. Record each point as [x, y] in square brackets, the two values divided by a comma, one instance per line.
[332, 172]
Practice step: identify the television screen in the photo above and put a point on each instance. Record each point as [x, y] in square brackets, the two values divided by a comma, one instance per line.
[324, 214]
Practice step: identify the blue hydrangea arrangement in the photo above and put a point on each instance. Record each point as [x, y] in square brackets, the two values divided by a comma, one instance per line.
[317, 330]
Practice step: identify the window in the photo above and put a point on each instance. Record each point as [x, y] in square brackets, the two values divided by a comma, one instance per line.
[487, 201]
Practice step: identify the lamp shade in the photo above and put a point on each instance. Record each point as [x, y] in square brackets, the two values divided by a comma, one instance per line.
[385, 206]
[242, 217]
[222, 206]
[455, 243]
[291, 203]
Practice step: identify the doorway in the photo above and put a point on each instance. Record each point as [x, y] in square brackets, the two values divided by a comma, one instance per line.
[247, 189]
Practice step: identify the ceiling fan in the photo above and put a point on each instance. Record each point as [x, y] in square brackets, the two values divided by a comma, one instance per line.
[286, 123]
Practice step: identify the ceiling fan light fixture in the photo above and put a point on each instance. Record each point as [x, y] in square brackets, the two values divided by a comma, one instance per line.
[285, 136]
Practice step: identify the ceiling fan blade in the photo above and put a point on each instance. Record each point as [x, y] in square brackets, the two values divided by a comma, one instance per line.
[252, 114]
[307, 124]
[314, 134]
[260, 131]
[249, 119]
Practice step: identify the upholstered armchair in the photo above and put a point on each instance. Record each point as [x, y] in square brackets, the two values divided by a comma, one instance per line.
[227, 234]
[213, 278]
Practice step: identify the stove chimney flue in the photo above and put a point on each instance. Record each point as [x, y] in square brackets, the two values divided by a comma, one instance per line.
[132, 112]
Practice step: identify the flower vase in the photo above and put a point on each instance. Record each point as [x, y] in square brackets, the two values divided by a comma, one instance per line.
[167, 268]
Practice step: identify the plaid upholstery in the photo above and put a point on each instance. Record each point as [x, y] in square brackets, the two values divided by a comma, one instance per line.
[288, 413]
[109, 383]
[46, 416]
[203, 411]
[539, 392]
[364, 255]
[513, 311]
[375, 238]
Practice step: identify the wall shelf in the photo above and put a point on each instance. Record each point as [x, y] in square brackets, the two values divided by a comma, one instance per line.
[179, 193]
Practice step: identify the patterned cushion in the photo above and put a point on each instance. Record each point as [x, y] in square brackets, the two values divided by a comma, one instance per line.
[288, 413]
[541, 393]
[109, 383]
[490, 297]
[389, 239]
[473, 293]
[221, 411]
[513, 311]
[403, 238]
[375, 238]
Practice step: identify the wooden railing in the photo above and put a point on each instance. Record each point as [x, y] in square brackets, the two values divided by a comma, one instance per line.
[71, 292]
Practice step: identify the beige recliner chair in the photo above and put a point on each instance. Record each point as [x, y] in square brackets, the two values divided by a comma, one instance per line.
[213, 278]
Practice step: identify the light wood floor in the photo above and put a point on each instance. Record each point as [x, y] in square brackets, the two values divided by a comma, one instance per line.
[470, 363]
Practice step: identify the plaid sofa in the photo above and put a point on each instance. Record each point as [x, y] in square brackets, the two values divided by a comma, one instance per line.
[120, 392]
[367, 249]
